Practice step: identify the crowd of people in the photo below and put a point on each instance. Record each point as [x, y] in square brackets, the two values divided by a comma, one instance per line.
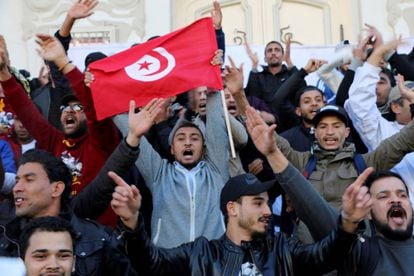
[322, 180]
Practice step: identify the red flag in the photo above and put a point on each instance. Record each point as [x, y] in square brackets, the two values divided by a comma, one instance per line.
[162, 67]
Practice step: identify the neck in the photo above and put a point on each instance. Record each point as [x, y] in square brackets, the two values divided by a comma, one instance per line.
[237, 234]
[307, 124]
[24, 141]
[275, 69]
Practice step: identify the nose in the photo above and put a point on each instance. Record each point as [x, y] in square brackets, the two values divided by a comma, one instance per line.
[17, 187]
[53, 264]
[267, 212]
[395, 199]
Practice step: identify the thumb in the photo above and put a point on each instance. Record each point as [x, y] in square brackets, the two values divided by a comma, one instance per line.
[135, 192]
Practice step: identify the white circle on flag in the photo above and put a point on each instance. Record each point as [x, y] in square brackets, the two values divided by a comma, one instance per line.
[150, 68]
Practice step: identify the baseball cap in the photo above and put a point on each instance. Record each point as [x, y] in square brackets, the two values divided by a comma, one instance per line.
[395, 93]
[242, 185]
[68, 98]
[330, 110]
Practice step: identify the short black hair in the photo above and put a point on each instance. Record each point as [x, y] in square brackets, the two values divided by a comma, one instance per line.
[275, 42]
[44, 224]
[304, 90]
[184, 123]
[376, 175]
[54, 167]
[390, 76]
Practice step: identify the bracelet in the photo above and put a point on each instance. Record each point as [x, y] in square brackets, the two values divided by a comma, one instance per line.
[66, 64]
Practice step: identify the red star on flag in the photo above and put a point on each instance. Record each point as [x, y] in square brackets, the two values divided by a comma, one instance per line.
[144, 65]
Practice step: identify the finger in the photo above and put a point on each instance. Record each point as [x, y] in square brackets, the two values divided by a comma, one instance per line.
[233, 65]
[151, 105]
[135, 192]
[363, 200]
[118, 196]
[362, 177]
[117, 179]
[131, 110]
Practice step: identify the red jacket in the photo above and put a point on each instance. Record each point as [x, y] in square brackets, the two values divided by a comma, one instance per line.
[84, 155]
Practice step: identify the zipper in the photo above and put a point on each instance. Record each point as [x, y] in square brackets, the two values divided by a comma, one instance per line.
[254, 262]
[157, 234]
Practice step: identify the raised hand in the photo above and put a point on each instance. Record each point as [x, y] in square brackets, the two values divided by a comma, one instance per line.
[233, 77]
[89, 78]
[218, 58]
[356, 202]
[51, 49]
[216, 15]
[375, 37]
[43, 75]
[379, 52]
[360, 51]
[404, 90]
[4, 52]
[126, 201]
[82, 8]
[252, 55]
[4, 60]
[256, 166]
[313, 65]
[286, 57]
[261, 134]
[140, 122]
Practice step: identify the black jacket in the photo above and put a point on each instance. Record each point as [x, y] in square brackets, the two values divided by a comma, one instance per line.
[98, 252]
[272, 256]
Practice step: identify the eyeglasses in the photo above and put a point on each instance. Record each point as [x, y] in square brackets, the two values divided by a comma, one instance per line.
[75, 107]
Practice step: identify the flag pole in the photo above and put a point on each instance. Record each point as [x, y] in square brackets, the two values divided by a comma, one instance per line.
[227, 120]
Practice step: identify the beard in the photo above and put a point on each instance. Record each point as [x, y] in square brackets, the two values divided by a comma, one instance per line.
[81, 130]
[274, 64]
[248, 223]
[391, 234]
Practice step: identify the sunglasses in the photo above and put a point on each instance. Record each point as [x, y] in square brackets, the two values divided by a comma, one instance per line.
[75, 107]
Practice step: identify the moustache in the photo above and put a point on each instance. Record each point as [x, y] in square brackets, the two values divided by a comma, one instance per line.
[396, 210]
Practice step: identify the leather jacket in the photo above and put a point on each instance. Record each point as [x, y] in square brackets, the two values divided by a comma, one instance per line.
[96, 250]
[271, 256]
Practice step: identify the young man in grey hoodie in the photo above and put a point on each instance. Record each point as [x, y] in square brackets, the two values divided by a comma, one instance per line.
[186, 192]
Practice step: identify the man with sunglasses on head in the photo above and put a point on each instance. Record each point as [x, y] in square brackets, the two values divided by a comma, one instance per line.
[83, 143]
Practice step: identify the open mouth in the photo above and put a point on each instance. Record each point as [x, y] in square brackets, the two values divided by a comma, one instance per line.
[397, 215]
[188, 152]
[18, 201]
[264, 220]
[69, 120]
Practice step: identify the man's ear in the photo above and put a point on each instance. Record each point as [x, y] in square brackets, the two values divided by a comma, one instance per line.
[298, 111]
[347, 131]
[231, 209]
[58, 188]
[395, 108]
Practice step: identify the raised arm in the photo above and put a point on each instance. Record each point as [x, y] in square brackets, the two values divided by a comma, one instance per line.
[135, 126]
[361, 105]
[315, 212]
[126, 203]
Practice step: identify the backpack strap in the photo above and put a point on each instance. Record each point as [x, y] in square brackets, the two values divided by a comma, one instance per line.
[359, 163]
[310, 166]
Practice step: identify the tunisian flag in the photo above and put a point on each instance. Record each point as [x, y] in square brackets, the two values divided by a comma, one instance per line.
[159, 68]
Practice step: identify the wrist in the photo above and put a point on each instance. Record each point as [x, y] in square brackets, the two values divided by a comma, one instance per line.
[348, 219]
[61, 62]
[132, 140]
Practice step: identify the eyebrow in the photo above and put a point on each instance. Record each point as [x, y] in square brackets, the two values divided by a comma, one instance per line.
[388, 191]
[26, 175]
[46, 250]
